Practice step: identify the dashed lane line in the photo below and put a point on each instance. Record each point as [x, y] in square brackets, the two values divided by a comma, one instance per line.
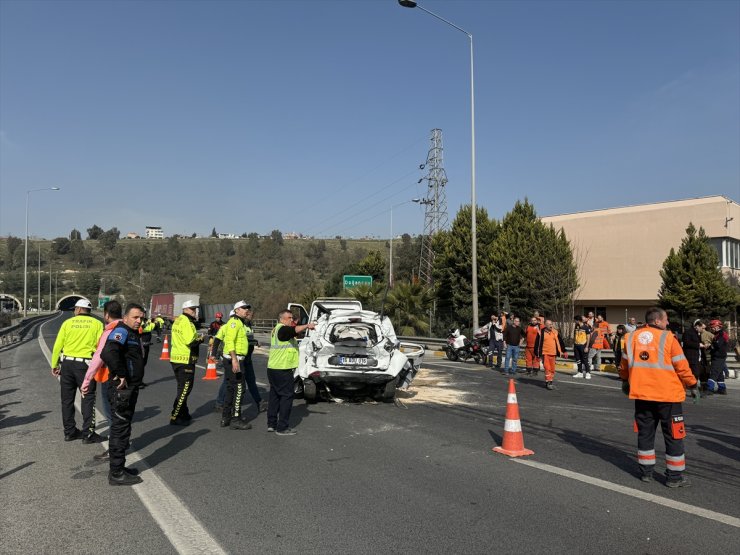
[658, 500]
[183, 529]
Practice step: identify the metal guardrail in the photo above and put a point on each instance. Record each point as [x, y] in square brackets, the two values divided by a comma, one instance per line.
[607, 355]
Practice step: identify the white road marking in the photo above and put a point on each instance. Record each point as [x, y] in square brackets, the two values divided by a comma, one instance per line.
[592, 385]
[658, 500]
[184, 531]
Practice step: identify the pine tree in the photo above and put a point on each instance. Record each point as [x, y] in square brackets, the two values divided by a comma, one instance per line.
[532, 263]
[693, 284]
[453, 270]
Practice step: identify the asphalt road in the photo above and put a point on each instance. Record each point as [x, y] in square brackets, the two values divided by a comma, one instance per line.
[417, 476]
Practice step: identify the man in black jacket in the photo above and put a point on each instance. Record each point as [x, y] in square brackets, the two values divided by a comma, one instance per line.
[692, 347]
[124, 357]
[513, 335]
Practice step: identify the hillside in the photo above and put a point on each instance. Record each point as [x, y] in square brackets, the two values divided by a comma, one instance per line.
[268, 272]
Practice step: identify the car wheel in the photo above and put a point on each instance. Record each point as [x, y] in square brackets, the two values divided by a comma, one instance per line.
[310, 392]
[389, 391]
[298, 388]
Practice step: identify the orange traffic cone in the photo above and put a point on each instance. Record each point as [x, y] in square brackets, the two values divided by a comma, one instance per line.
[165, 350]
[211, 370]
[513, 444]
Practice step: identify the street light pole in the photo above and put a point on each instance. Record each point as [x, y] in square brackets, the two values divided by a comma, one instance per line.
[390, 254]
[473, 217]
[25, 259]
[38, 275]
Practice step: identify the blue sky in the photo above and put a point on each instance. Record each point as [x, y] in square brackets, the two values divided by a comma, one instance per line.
[314, 115]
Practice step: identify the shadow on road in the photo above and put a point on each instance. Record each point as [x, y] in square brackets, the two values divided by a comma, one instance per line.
[609, 453]
[16, 469]
[12, 421]
[178, 443]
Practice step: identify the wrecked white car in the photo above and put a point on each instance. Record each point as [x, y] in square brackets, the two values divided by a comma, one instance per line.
[351, 351]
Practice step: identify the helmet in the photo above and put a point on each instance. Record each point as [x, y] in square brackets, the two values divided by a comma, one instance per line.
[219, 315]
[715, 324]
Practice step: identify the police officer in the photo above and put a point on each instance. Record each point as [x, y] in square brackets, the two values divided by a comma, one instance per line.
[74, 346]
[655, 372]
[146, 329]
[249, 376]
[216, 351]
[159, 323]
[281, 363]
[236, 347]
[124, 357]
[183, 356]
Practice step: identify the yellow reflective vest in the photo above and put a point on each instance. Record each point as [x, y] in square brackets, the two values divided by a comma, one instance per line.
[283, 354]
[235, 337]
[78, 337]
[185, 342]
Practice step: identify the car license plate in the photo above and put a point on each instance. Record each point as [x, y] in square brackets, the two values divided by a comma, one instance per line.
[357, 361]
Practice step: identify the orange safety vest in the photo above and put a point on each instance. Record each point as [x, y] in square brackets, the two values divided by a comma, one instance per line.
[601, 342]
[532, 333]
[655, 366]
[550, 343]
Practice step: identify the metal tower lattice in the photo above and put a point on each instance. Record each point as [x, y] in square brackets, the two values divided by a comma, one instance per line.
[435, 215]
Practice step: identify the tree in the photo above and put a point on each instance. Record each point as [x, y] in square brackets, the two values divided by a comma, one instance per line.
[108, 239]
[88, 283]
[94, 232]
[75, 235]
[213, 233]
[12, 245]
[371, 296]
[409, 304]
[277, 237]
[372, 265]
[692, 284]
[452, 265]
[60, 245]
[226, 247]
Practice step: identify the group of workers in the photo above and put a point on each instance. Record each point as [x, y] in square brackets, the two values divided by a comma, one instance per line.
[655, 370]
[87, 352]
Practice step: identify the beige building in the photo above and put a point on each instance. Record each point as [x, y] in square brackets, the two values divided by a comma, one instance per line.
[620, 251]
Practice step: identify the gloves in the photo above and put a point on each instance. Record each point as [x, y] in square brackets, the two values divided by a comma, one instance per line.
[626, 387]
[695, 394]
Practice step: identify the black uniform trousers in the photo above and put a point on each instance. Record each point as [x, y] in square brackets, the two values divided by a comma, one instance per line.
[185, 376]
[70, 379]
[234, 390]
[581, 358]
[123, 406]
[648, 414]
[495, 347]
[280, 402]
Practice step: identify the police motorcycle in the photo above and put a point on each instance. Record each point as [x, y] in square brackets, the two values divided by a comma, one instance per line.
[459, 347]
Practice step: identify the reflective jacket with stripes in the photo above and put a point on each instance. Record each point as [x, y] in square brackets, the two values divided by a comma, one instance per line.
[655, 366]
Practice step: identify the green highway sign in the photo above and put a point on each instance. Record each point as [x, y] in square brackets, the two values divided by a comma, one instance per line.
[354, 281]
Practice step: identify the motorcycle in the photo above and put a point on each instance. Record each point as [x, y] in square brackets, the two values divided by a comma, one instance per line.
[479, 348]
[459, 347]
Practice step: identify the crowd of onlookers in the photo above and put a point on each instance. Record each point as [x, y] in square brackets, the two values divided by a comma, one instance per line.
[706, 345]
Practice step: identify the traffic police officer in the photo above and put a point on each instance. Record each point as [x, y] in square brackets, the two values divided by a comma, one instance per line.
[236, 347]
[183, 356]
[74, 347]
[655, 372]
[281, 363]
